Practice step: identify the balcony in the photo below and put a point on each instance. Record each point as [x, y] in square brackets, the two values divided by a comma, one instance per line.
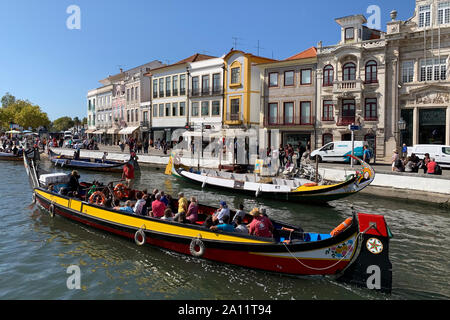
[234, 118]
[347, 86]
[145, 125]
[345, 121]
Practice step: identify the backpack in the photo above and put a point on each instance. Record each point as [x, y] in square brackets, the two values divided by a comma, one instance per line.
[438, 170]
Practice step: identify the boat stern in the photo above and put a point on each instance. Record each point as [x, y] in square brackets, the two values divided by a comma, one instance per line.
[371, 267]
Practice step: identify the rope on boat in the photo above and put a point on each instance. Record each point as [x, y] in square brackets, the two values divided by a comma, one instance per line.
[335, 264]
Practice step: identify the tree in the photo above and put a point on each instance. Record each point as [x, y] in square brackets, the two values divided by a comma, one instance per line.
[63, 123]
[32, 117]
[8, 99]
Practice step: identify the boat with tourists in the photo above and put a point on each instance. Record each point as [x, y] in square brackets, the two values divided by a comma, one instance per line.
[92, 164]
[356, 252]
[279, 188]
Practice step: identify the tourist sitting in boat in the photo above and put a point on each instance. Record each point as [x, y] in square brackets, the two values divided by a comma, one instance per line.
[158, 207]
[192, 212]
[224, 226]
[239, 213]
[261, 225]
[128, 174]
[164, 198]
[181, 217]
[182, 203]
[208, 223]
[221, 213]
[126, 208]
[168, 215]
[239, 226]
[105, 154]
[139, 208]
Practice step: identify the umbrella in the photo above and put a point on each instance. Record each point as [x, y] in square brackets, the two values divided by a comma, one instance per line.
[13, 132]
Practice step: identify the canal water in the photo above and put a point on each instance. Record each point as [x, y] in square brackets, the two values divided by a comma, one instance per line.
[36, 251]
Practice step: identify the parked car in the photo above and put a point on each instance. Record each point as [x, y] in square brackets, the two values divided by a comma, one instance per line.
[337, 151]
[438, 151]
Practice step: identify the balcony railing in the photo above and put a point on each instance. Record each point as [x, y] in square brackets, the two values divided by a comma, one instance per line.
[344, 86]
[234, 117]
[206, 92]
[345, 121]
[145, 124]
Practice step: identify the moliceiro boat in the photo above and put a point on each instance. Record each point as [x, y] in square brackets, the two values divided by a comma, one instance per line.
[7, 156]
[87, 163]
[356, 252]
[295, 190]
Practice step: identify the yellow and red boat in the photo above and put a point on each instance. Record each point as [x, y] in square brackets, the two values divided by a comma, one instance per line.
[356, 253]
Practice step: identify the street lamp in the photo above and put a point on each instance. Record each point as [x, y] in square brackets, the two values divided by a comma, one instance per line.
[401, 124]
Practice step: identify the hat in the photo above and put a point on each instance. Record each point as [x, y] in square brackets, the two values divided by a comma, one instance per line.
[255, 212]
[223, 203]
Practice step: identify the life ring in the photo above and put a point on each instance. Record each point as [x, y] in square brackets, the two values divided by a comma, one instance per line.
[341, 227]
[121, 191]
[51, 209]
[312, 184]
[138, 233]
[197, 243]
[95, 196]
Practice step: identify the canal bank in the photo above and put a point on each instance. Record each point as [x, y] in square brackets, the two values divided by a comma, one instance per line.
[401, 185]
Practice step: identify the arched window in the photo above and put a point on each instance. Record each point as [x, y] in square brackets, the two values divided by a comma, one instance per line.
[349, 72]
[371, 72]
[328, 75]
[327, 138]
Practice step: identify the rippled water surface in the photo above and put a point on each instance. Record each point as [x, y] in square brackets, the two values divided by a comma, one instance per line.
[36, 250]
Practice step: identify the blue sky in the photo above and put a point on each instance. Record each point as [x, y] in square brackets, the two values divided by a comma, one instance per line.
[43, 61]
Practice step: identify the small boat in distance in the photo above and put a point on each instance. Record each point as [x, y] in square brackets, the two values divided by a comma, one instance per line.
[9, 156]
[356, 252]
[88, 163]
[294, 190]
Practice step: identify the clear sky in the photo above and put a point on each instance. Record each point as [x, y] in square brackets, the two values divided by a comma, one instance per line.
[45, 62]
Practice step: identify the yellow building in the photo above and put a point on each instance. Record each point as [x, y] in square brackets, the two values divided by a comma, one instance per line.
[242, 89]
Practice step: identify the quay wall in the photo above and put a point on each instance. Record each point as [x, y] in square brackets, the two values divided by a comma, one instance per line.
[413, 186]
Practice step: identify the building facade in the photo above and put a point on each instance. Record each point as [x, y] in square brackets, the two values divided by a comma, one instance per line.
[351, 83]
[289, 99]
[418, 52]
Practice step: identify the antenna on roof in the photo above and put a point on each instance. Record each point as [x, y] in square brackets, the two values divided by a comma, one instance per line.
[235, 42]
[258, 47]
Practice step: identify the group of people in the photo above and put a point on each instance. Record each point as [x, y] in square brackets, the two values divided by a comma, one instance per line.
[142, 146]
[413, 163]
[12, 145]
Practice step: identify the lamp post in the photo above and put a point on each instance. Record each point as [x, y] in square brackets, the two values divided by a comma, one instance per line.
[401, 128]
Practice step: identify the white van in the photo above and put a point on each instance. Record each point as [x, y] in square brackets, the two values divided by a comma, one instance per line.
[337, 151]
[440, 152]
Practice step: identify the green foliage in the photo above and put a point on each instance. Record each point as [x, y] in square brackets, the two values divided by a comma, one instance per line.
[8, 99]
[25, 114]
[63, 123]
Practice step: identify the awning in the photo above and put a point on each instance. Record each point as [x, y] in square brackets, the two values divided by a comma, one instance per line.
[112, 131]
[101, 131]
[90, 131]
[128, 130]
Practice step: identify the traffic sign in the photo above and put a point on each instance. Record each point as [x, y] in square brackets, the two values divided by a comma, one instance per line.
[353, 127]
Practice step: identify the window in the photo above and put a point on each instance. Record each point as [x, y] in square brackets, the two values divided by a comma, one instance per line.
[236, 75]
[205, 108]
[182, 84]
[136, 95]
[161, 87]
[349, 73]
[195, 86]
[175, 109]
[155, 88]
[182, 108]
[128, 115]
[167, 109]
[132, 94]
[327, 138]
[348, 111]
[273, 113]
[168, 83]
[371, 72]
[161, 110]
[216, 83]
[136, 115]
[328, 75]
[175, 85]
[234, 109]
[349, 33]
[155, 110]
[433, 69]
[128, 94]
[195, 109]
[305, 112]
[444, 13]
[288, 113]
[424, 16]
[305, 76]
[273, 79]
[205, 84]
[328, 110]
[370, 111]
[289, 78]
[215, 109]
[408, 71]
